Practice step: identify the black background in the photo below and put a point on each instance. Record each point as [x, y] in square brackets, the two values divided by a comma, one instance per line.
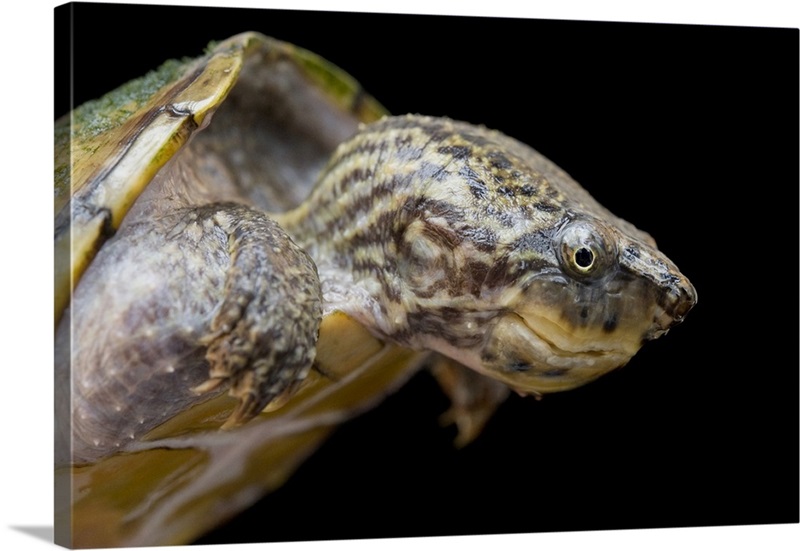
[689, 132]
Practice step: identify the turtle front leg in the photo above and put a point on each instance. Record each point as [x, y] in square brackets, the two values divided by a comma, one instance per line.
[262, 338]
[182, 298]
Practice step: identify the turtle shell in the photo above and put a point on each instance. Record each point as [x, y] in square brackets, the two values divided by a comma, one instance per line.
[288, 104]
[278, 111]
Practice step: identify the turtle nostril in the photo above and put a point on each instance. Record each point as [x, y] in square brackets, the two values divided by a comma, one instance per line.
[679, 299]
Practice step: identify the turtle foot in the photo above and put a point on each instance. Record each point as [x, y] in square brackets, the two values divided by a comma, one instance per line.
[474, 398]
[262, 339]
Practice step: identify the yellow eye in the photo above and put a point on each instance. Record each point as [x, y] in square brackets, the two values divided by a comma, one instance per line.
[585, 250]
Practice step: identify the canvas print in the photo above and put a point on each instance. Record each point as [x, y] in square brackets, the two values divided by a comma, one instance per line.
[345, 275]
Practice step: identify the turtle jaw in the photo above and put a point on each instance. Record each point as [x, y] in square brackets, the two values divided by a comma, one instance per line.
[534, 355]
[555, 334]
[559, 334]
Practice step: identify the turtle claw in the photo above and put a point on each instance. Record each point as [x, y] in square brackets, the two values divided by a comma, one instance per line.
[259, 359]
[262, 338]
[208, 386]
[244, 412]
[252, 402]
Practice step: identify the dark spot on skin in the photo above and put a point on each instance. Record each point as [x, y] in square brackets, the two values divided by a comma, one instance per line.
[401, 142]
[631, 252]
[476, 185]
[507, 191]
[584, 312]
[450, 314]
[545, 207]
[669, 278]
[527, 190]
[476, 274]
[539, 241]
[611, 323]
[519, 366]
[506, 219]
[555, 371]
[500, 161]
[457, 151]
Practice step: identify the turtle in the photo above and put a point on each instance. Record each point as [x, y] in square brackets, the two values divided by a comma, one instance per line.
[250, 250]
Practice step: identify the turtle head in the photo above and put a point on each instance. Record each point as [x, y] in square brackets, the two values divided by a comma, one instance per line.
[508, 266]
[461, 240]
[585, 315]
[578, 306]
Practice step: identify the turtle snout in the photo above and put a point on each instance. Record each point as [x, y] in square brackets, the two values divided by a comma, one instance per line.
[680, 297]
[677, 298]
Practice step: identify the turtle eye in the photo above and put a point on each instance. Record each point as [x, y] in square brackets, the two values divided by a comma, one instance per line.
[584, 250]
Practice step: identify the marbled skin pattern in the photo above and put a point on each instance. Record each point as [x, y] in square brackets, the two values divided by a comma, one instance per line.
[443, 235]
[434, 234]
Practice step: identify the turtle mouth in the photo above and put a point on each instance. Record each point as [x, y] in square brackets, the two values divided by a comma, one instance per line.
[568, 341]
[533, 354]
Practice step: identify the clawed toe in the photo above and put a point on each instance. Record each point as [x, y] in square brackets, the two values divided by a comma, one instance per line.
[208, 386]
[262, 337]
[246, 409]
